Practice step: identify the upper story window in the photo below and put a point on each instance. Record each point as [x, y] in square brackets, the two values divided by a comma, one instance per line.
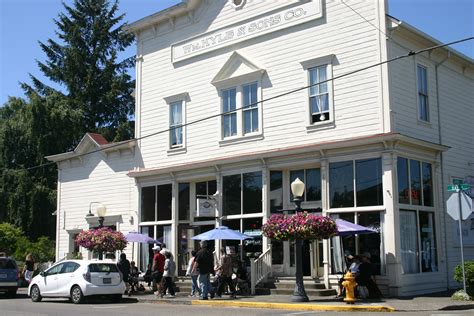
[239, 84]
[423, 105]
[176, 120]
[320, 92]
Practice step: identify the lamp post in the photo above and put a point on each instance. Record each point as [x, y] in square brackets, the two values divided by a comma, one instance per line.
[101, 211]
[299, 294]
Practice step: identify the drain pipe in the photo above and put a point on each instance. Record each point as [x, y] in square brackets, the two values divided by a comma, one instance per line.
[440, 140]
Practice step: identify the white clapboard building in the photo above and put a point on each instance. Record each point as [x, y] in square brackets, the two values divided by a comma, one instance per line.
[224, 125]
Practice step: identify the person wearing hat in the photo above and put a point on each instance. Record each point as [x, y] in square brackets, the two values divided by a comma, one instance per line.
[204, 263]
[157, 268]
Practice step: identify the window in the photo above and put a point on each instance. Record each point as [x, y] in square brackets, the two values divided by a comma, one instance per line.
[276, 191]
[312, 181]
[242, 193]
[183, 201]
[205, 189]
[55, 270]
[415, 182]
[417, 231]
[367, 181]
[423, 106]
[156, 203]
[176, 122]
[70, 267]
[240, 110]
[318, 94]
[230, 116]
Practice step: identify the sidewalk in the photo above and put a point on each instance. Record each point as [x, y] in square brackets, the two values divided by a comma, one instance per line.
[435, 302]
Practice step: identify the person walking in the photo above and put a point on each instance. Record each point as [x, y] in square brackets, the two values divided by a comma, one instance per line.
[29, 267]
[168, 275]
[205, 265]
[124, 266]
[157, 269]
[191, 271]
[225, 272]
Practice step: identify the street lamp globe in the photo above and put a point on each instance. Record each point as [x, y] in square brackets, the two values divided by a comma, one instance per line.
[297, 188]
[101, 210]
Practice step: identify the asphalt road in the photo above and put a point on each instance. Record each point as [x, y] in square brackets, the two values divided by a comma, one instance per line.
[23, 306]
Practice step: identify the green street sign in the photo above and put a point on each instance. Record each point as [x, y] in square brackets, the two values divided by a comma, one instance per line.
[453, 188]
[465, 186]
[457, 181]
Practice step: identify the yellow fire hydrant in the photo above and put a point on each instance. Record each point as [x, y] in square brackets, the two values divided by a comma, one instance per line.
[349, 284]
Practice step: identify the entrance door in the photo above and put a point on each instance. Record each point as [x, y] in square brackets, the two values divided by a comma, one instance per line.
[283, 258]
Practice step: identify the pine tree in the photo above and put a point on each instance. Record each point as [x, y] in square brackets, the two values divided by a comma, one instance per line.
[84, 63]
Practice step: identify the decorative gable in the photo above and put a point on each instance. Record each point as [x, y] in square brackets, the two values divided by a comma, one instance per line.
[237, 68]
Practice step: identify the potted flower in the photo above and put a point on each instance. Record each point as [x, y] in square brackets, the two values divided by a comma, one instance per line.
[101, 239]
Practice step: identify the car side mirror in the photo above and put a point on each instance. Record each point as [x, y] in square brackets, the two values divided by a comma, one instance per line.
[43, 274]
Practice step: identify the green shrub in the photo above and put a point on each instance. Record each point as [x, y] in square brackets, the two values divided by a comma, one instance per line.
[469, 271]
[9, 236]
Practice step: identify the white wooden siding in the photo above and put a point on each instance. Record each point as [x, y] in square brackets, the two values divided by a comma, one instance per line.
[341, 32]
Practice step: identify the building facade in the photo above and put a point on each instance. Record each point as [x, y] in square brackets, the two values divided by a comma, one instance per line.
[235, 99]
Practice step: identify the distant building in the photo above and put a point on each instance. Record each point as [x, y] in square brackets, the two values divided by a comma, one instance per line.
[377, 147]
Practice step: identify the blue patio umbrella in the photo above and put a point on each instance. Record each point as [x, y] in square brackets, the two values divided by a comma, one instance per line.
[222, 233]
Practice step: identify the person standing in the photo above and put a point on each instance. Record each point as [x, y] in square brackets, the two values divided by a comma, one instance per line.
[191, 271]
[205, 265]
[168, 275]
[124, 267]
[225, 271]
[29, 267]
[157, 268]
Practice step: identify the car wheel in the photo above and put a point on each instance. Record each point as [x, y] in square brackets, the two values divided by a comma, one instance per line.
[116, 298]
[35, 294]
[76, 295]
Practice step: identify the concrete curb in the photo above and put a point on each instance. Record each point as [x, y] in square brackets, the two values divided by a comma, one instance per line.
[268, 305]
[299, 307]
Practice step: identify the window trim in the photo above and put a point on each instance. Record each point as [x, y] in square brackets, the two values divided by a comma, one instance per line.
[428, 116]
[307, 65]
[184, 98]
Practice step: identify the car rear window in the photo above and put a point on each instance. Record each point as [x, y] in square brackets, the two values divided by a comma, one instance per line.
[7, 264]
[103, 267]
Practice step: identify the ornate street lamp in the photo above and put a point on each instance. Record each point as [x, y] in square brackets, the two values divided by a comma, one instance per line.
[299, 294]
[101, 211]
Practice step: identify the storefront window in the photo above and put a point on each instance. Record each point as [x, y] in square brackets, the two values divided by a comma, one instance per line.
[232, 194]
[148, 204]
[370, 242]
[427, 184]
[415, 182]
[312, 181]
[276, 191]
[164, 202]
[146, 252]
[369, 182]
[428, 242]
[252, 193]
[252, 247]
[184, 201]
[205, 189]
[403, 188]
[409, 242]
[341, 184]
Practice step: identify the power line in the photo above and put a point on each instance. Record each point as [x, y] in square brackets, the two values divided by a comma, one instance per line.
[409, 54]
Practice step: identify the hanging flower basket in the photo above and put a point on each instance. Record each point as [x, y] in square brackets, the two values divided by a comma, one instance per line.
[302, 225]
[101, 240]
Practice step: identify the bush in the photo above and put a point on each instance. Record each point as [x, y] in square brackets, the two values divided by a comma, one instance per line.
[469, 271]
[9, 236]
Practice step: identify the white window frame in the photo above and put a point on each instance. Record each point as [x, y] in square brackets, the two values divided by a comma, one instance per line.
[183, 98]
[238, 84]
[423, 93]
[307, 66]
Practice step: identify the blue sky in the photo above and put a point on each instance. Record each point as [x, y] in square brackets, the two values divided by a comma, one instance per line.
[25, 22]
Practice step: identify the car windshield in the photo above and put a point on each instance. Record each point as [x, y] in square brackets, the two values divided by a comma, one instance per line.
[103, 267]
[7, 264]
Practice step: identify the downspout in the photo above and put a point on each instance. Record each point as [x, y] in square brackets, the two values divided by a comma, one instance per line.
[440, 140]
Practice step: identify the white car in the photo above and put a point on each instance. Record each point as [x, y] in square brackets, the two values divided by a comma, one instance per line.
[77, 279]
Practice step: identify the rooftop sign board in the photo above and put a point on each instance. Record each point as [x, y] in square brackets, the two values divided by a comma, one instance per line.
[298, 13]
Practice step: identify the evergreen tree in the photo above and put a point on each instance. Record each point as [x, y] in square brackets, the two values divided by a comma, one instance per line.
[84, 63]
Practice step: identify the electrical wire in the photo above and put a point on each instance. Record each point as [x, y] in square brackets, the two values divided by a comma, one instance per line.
[107, 147]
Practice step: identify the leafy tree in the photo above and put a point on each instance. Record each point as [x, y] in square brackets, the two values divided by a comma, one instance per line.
[9, 235]
[85, 64]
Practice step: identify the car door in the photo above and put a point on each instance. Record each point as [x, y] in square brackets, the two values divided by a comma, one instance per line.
[48, 283]
[66, 278]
